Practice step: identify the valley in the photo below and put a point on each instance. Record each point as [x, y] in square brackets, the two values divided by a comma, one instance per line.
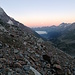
[62, 36]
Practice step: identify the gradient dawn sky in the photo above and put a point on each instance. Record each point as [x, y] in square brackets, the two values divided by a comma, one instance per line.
[35, 13]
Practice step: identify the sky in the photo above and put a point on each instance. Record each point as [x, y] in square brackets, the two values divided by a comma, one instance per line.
[38, 13]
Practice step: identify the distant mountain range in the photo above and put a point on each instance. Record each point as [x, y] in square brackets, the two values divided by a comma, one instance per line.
[63, 36]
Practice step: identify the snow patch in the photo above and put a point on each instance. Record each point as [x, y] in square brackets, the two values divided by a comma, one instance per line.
[41, 32]
[35, 71]
[10, 22]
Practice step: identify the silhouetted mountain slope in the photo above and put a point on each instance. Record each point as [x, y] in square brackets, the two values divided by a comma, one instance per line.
[5, 18]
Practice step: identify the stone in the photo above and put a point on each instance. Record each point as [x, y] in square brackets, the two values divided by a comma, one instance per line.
[9, 73]
[73, 69]
[46, 58]
[16, 51]
[69, 72]
[22, 62]
[26, 67]
[60, 72]
[31, 72]
[7, 45]
[10, 69]
[11, 64]
[0, 46]
[56, 62]
[0, 65]
[18, 57]
[17, 65]
[57, 66]
[18, 70]
[48, 65]
[33, 59]
[40, 40]
[21, 55]
[37, 55]
[1, 55]
[73, 72]
[25, 43]
[2, 60]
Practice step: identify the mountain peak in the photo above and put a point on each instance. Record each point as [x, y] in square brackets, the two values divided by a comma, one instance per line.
[64, 24]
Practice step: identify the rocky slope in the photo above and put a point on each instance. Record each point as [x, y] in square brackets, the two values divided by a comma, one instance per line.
[22, 53]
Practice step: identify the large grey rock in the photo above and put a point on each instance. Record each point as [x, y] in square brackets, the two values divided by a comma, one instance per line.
[26, 67]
